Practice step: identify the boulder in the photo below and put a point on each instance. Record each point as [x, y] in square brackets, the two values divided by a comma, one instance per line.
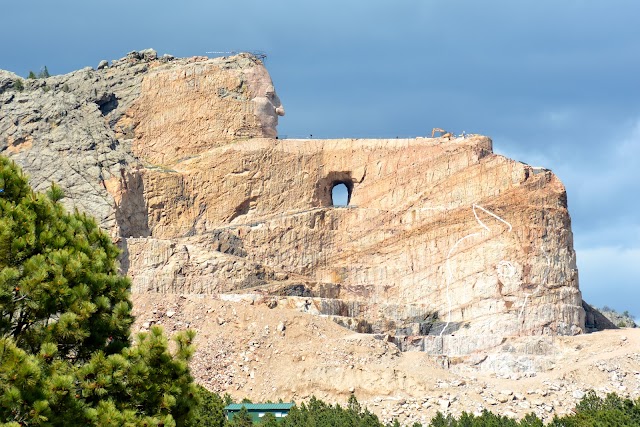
[7, 80]
[148, 54]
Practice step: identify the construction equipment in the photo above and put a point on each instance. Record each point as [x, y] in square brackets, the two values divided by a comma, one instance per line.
[443, 133]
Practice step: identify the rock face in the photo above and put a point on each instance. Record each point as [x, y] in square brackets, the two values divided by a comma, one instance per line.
[179, 160]
[615, 319]
[595, 320]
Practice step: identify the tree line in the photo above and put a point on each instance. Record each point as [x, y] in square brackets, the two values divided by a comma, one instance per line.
[611, 411]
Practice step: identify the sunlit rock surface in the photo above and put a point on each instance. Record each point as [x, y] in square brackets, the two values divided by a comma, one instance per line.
[444, 244]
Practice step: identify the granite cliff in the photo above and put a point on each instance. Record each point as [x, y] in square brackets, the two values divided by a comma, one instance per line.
[444, 246]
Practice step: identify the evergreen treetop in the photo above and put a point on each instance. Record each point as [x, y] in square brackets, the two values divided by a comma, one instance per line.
[58, 275]
[65, 315]
[44, 73]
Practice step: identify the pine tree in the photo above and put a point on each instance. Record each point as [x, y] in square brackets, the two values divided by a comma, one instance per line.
[531, 420]
[241, 419]
[65, 354]
[44, 73]
[18, 85]
[269, 420]
[209, 412]
[58, 276]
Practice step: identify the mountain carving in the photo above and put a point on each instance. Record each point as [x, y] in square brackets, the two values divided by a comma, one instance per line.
[444, 245]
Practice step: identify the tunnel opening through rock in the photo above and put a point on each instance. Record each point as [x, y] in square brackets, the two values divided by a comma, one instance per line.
[340, 194]
[333, 189]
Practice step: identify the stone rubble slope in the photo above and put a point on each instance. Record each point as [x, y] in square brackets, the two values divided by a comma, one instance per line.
[250, 350]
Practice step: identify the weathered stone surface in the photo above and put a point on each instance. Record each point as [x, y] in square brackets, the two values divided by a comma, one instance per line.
[621, 320]
[184, 266]
[595, 320]
[179, 160]
[148, 54]
[186, 110]
[470, 239]
[7, 80]
[56, 131]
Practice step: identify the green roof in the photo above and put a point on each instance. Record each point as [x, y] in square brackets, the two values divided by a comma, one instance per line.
[259, 406]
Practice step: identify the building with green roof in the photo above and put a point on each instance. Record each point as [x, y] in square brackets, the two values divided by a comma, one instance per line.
[258, 410]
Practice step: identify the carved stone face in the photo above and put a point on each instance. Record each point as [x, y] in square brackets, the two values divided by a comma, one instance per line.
[267, 105]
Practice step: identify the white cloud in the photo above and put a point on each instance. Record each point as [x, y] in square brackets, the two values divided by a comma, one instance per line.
[509, 148]
[624, 234]
[628, 150]
[610, 276]
[600, 174]
[559, 118]
[601, 178]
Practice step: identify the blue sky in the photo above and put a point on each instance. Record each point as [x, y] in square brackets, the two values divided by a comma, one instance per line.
[554, 83]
